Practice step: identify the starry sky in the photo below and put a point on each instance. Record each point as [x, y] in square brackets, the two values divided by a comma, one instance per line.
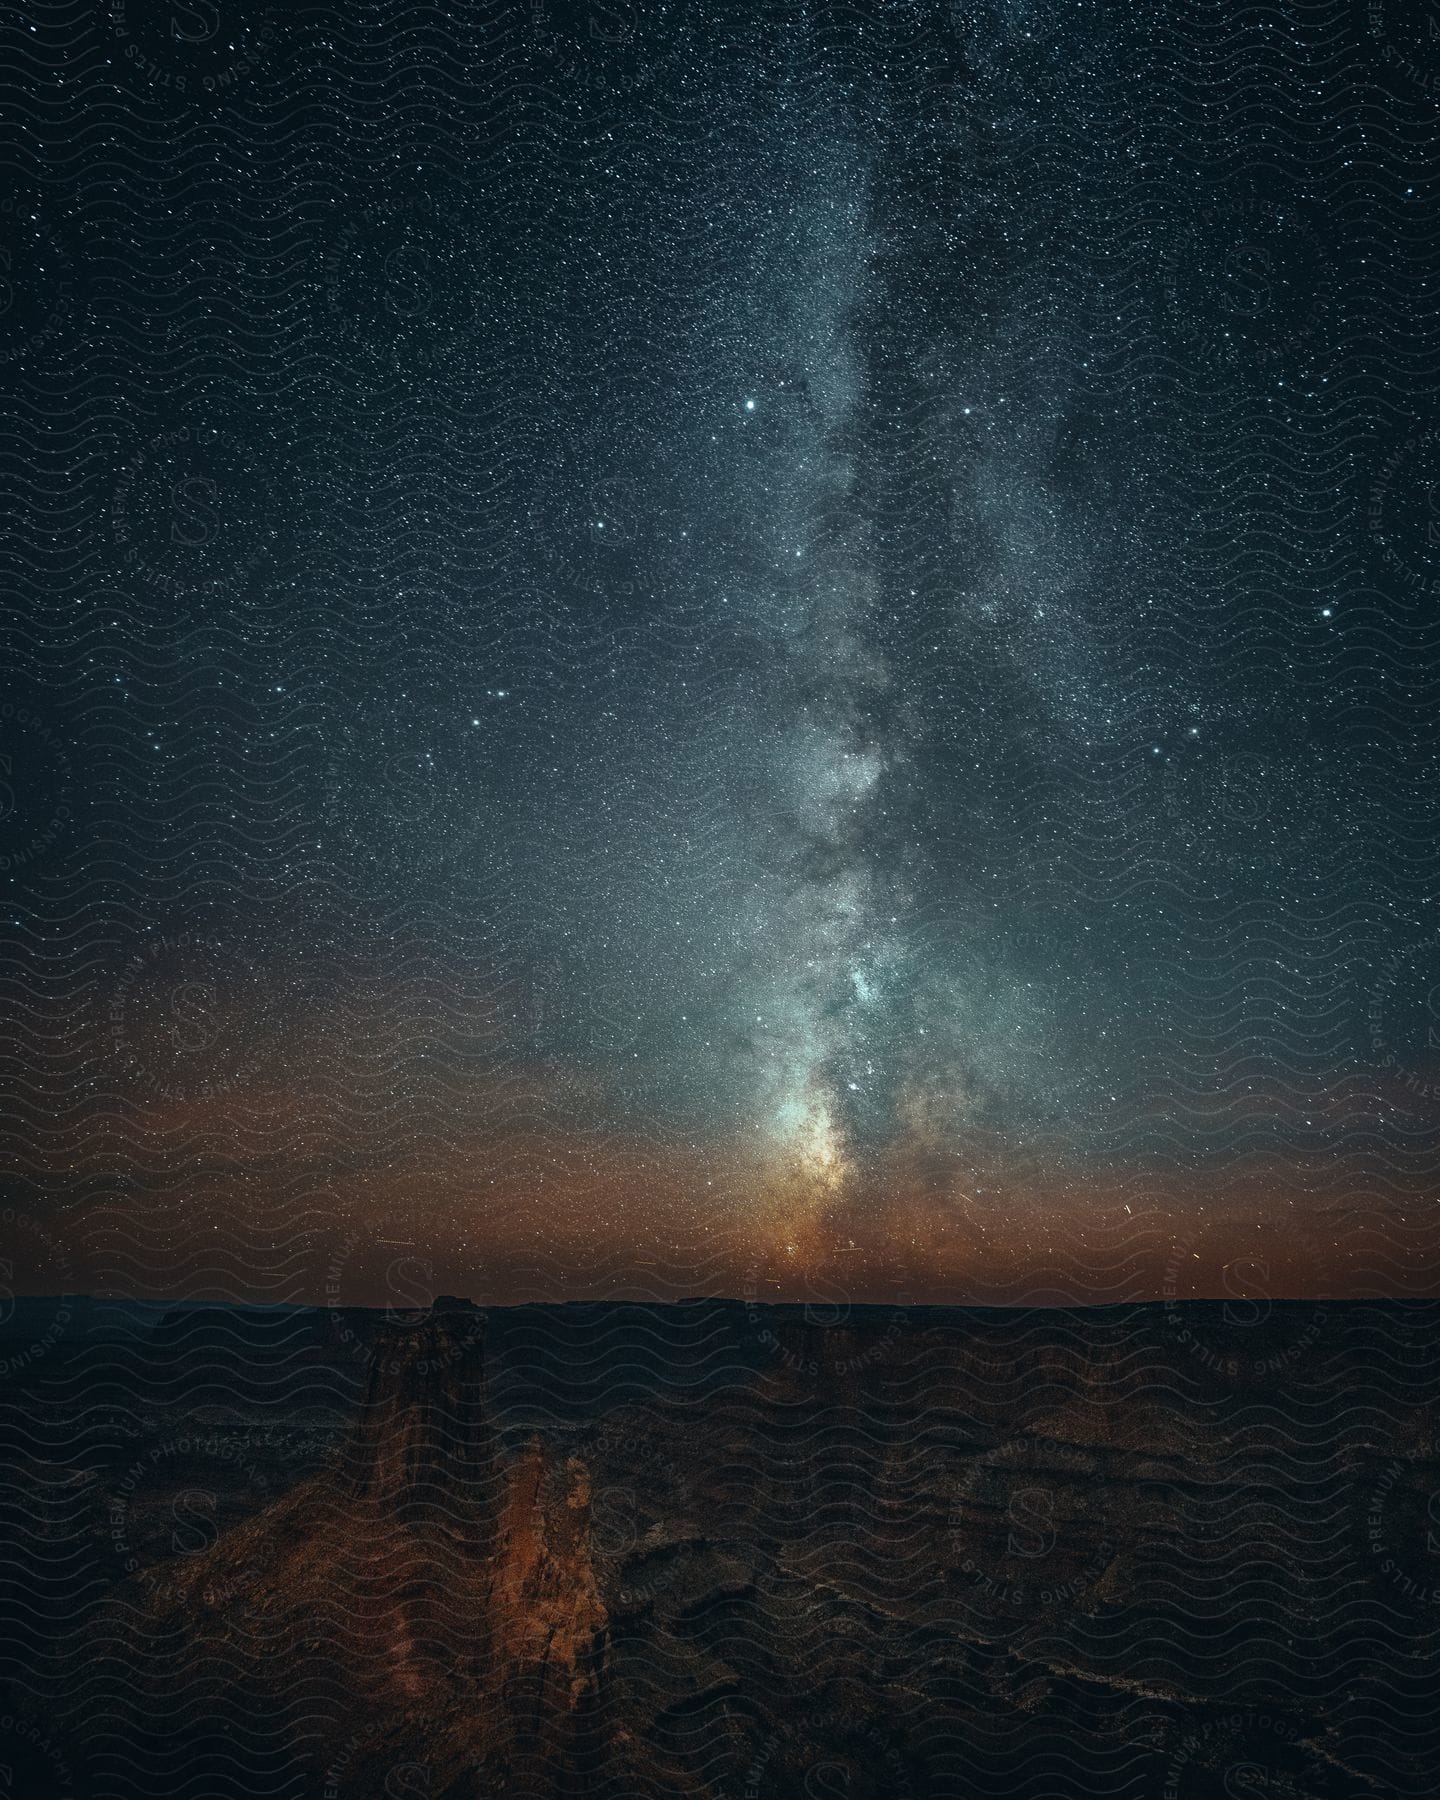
[777, 650]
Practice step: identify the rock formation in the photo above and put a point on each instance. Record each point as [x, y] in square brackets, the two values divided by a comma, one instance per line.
[725, 1550]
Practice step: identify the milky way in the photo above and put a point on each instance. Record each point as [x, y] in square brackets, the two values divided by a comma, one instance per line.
[836, 1020]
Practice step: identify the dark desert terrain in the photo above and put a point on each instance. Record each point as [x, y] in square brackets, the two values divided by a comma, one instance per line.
[717, 1548]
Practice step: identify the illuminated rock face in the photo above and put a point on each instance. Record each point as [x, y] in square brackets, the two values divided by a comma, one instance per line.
[547, 1619]
[435, 1598]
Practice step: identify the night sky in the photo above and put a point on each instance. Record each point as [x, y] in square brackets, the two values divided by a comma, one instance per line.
[788, 650]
